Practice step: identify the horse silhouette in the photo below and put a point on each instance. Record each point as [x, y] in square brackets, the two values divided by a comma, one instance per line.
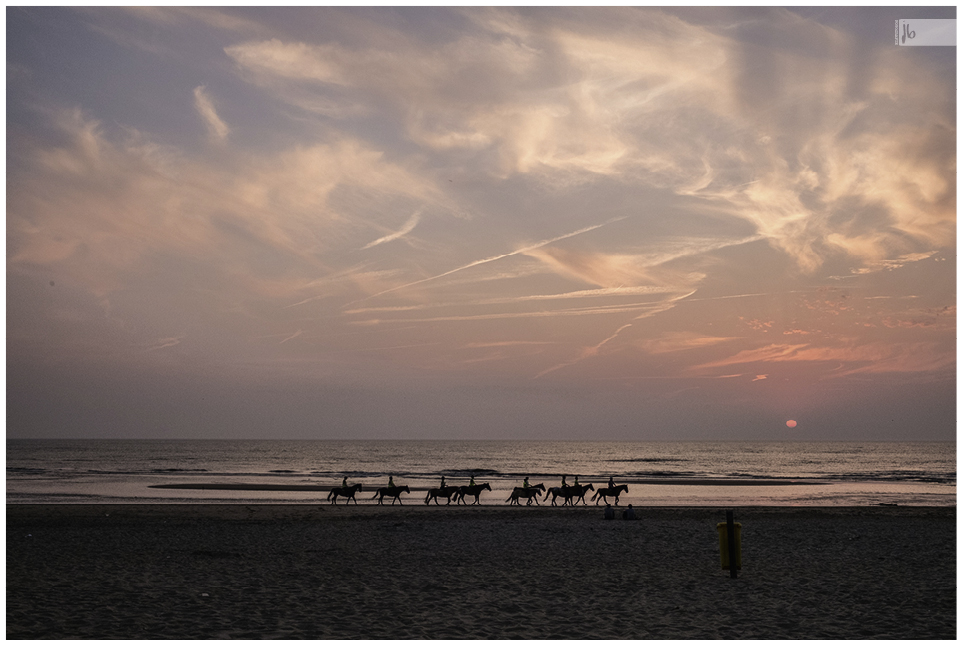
[434, 493]
[348, 493]
[571, 494]
[393, 492]
[526, 493]
[601, 493]
[473, 490]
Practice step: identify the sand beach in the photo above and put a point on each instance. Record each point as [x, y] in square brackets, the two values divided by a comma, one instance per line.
[484, 572]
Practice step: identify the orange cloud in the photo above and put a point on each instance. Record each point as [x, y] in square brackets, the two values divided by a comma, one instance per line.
[680, 341]
[869, 358]
[758, 325]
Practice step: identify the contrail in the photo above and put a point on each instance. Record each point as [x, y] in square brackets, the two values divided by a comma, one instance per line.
[486, 260]
[168, 342]
[295, 335]
[586, 353]
[405, 229]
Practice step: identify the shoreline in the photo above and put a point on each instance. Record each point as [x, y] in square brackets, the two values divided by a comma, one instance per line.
[310, 571]
[286, 487]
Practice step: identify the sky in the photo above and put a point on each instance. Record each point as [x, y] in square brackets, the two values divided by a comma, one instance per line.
[479, 223]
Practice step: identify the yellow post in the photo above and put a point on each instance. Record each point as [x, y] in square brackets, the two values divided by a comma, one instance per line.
[724, 556]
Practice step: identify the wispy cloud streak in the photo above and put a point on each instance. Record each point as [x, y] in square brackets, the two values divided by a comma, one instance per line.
[585, 354]
[495, 258]
[647, 307]
[167, 342]
[216, 127]
[405, 229]
[293, 336]
[570, 295]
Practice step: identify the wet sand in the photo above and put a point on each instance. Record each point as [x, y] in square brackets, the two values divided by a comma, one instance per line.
[285, 487]
[484, 572]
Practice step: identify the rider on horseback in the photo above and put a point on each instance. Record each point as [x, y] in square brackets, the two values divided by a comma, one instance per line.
[576, 482]
[344, 482]
[564, 484]
[525, 483]
[442, 482]
[471, 481]
[391, 482]
[611, 483]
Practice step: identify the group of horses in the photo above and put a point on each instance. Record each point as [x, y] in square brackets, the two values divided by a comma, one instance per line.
[456, 492]
[570, 494]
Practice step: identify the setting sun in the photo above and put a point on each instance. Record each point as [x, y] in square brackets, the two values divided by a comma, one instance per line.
[388, 212]
[790, 423]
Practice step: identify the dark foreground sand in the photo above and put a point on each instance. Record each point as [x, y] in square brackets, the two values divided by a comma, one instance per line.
[489, 572]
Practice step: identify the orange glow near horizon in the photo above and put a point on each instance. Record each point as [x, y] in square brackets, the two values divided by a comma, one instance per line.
[397, 224]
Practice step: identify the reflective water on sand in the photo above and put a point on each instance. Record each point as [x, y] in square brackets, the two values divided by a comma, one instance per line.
[657, 473]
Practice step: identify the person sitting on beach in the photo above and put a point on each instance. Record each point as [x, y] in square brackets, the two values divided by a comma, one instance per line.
[391, 481]
[629, 513]
[609, 512]
[525, 483]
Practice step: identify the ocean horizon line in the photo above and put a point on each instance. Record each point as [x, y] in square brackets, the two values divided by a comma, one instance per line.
[457, 440]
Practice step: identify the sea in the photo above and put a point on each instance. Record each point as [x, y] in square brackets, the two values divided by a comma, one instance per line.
[701, 474]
